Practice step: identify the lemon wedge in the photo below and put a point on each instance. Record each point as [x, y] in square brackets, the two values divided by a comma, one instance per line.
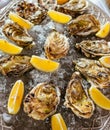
[20, 21]
[15, 97]
[105, 61]
[9, 48]
[60, 2]
[43, 64]
[104, 31]
[58, 123]
[100, 99]
[59, 17]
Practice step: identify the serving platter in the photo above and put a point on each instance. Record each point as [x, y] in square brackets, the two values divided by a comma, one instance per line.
[100, 119]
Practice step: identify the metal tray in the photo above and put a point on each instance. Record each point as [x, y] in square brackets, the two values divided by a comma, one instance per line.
[101, 118]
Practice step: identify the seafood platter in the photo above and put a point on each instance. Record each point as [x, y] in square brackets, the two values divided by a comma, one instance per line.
[54, 66]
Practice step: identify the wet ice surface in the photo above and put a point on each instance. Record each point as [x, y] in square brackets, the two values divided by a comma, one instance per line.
[60, 78]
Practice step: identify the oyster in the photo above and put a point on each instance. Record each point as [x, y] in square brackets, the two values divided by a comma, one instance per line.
[56, 45]
[73, 7]
[94, 72]
[31, 12]
[77, 99]
[17, 34]
[94, 48]
[42, 101]
[84, 25]
[15, 65]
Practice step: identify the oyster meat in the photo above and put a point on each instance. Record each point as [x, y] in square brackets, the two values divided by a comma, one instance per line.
[94, 72]
[42, 101]
[31, 12]
[15, 65]
[83, 25]
[94, 48]
[77, 99]
[73, 7]
[17, 34]
[56, 45]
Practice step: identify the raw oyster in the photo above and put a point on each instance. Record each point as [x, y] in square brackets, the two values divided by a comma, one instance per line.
[42, 101]
[94, 72]
[17, 34]
[73, 7]
[56, 45]
[84, 25]
[15, 65]
[77, 99]
[31, 12]
[94, 48]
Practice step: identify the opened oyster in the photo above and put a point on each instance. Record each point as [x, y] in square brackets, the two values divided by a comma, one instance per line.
[94, 48]
[94, 71]
[56, 45]
[77, 99]
[17, 34]
[84, 25]
[15, 65]
[31, 12]
[73, 7]
[42, 101]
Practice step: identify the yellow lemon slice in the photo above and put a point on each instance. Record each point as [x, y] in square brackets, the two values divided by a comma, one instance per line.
[20, 21]
[60, 2]
[9, 48]
[104, 31]
[101, 100]
[57, 122]
[105, 61]
[43, 64]
[59, 17]
[15, 97]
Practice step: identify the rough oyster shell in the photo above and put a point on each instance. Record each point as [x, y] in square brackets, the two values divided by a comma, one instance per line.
[73, 7]
[31, 12]
[42, 101]
[56, 45]
[94, 48]
[94, 72]
[15, 65]
[84, 25]
[77, 99]
[17, 34]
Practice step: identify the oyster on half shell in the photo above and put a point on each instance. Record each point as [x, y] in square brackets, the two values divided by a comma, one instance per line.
[73, 7]
[83, 25]
[29, 11]
[94, 48]
[17, 34]
[56, 45]
[15, 65]
[93, 71]
[42, 101]
[77, 99]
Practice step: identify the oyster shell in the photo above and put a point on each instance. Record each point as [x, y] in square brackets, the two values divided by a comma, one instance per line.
[94, 48]
[42, 101]
[15, 65]
[56, 45]
[17, 34]
[31, 12]
[94, 72]
[73, 7]
[84, 25]
[77, 99]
